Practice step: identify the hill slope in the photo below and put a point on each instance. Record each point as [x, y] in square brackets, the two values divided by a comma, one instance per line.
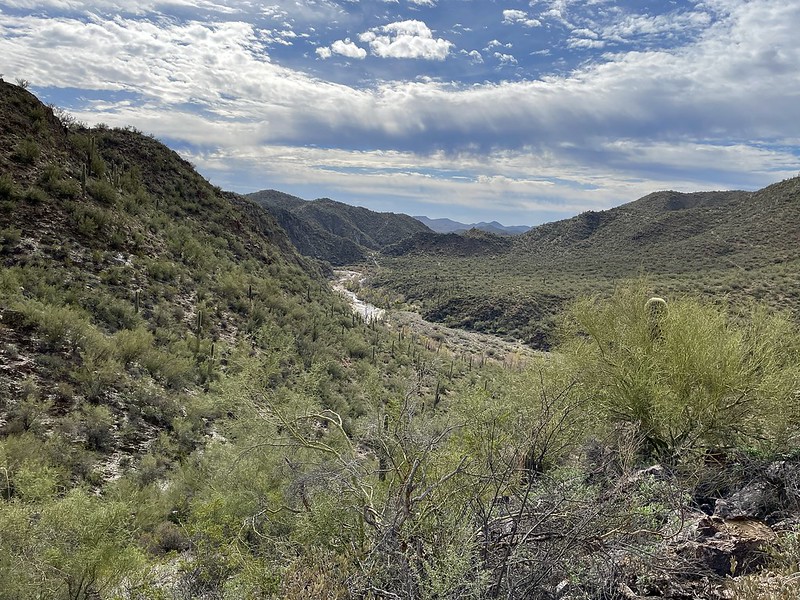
[334, 231]
[733, 244]
[123, 270]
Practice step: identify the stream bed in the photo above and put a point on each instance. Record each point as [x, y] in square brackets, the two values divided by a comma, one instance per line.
[481, 346]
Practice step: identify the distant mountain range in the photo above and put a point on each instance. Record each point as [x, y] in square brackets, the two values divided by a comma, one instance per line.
[333, 231]
[450, 226]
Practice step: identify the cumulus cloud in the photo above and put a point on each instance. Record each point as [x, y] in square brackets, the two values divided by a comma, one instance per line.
[513, 17]
[505, 59]
[406, 39]
[347, 48]
[474, 56]
[497, 44]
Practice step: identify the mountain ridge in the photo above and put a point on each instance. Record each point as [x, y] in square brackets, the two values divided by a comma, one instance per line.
[732, 243]
[338, 233]
[445, 225]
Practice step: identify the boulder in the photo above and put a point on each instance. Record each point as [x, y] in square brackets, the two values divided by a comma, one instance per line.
[729, 546]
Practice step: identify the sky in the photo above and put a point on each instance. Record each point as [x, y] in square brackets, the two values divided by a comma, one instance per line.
[517, 111]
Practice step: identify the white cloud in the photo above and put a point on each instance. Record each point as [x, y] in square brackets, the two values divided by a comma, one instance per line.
[497, 44]
[505, 59]
[512, 17]
[349, 49]
[423, 2]
[648, 26]
[475, 56]
[324, 52]
[406, 39]
[585, 43]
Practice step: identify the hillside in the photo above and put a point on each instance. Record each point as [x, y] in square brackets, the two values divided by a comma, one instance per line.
[474, 242]
[148, 322]
[333, 231]
[721, 244]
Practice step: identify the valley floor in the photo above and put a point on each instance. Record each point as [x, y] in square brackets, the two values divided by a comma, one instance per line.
[471, 346]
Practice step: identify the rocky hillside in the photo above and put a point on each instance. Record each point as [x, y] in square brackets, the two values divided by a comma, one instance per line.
[474, 242]
[336, 232]
[127, 283]
[674, 232]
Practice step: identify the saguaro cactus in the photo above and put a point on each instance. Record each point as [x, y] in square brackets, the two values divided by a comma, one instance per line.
[656, 313]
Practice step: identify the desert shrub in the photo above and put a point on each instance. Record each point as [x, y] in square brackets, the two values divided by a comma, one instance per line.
[56, 181]
[7, 188]
[57, 326]
[162, 270]
[102, 191]
[26, 151]
[114, 312]
[97, 426]
[132, 344]
[37, 482]
[98, 372]
[91, 221]
[705, 377]
[9, 238]
[173, 369]
[77, 546]
[35, 195]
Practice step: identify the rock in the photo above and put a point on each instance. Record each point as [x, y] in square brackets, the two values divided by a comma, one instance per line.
[756, 500]
[729, 546]
[562, 589]
[786, 475]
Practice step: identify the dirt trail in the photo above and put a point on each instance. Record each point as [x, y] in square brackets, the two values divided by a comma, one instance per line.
[478, 346]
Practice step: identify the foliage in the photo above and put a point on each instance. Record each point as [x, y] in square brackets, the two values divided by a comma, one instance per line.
[710, 379]
[27, 151]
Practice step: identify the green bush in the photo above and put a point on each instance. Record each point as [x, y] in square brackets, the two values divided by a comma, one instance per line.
[711, 378]
[78, 546]
[132, 345]
[56, 181]
[91, 221]
[35, 195]
[102, 191]
[97, 427]
[7, 188]
[9, 238]
[26, 151]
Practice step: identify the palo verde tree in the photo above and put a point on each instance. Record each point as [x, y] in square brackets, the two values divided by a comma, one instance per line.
[712, 378]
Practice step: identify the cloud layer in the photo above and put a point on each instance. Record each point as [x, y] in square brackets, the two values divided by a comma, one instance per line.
[560, 106]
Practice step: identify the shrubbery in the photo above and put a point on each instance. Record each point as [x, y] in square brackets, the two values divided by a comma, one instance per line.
[711, 378]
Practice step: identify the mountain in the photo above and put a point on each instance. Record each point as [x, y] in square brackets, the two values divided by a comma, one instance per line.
[123, 271]
[673, 232]
[450, 226]
[333, 231]
[733, 244]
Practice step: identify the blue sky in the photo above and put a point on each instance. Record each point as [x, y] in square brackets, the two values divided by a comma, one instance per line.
[521, 112]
